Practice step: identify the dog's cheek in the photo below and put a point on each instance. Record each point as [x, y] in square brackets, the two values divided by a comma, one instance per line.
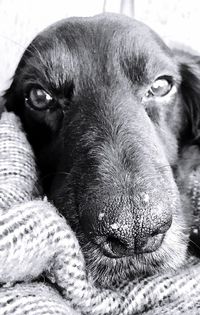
[169, 142]
[49, 119]
[62, 194]
[169, 127]
[167, 119]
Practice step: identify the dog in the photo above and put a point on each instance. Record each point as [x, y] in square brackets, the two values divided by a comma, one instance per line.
[108, 107]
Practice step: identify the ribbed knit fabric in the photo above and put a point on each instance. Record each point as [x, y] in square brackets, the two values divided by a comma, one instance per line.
[35, 239]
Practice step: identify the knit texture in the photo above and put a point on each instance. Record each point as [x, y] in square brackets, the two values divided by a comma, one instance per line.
[35, 239]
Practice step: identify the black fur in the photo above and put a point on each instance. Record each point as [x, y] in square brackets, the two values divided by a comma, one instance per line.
[105, 151]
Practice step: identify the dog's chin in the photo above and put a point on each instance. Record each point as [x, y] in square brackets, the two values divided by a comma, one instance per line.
[112, 272]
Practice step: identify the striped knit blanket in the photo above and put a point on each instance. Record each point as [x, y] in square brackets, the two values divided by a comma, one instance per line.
[36, 240]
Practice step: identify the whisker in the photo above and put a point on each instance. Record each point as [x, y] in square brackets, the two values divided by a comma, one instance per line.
[168, 166]
[13, 41]
[41, 58]
[30, 48]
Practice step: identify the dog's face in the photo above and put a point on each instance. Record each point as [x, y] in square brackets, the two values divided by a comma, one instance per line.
[102, 100]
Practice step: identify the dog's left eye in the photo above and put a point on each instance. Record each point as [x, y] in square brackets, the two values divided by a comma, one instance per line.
[39, 99]
[160, 87]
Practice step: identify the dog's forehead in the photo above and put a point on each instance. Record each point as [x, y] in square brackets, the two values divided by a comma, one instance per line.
[104, 31]
[101, 44]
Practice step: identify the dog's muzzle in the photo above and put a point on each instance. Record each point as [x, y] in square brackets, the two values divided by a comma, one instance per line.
[121, 231]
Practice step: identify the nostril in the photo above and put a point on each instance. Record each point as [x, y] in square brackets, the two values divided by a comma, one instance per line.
[156, 232]
[114, 247]
[149, 244]
[162, 229]
[115, 244]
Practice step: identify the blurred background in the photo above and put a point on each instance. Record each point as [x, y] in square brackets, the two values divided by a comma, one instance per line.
[20, 20]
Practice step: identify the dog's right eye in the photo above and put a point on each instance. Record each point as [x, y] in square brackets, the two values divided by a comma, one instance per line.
[160, 87]
[39, 99]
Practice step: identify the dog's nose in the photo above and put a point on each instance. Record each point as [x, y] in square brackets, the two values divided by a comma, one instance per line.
[119, 241]
[123, 228]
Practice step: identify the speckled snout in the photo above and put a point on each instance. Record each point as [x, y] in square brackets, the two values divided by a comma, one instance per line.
[127, 225]
[129, 194]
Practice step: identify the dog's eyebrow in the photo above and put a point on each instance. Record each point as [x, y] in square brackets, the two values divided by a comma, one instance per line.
[146, 69]
[50, 74]
[143, 61]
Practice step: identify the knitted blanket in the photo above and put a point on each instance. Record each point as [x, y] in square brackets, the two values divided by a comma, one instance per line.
[35, 239]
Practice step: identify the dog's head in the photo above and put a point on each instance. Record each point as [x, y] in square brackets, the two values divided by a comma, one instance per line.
[107, 107]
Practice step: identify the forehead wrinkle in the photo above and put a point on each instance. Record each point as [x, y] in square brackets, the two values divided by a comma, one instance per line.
[74, 53]
[144, 58]
[142, 52]
[50, 66]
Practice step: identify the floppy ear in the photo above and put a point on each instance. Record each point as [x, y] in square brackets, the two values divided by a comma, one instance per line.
[190, 90]
[13, 97]
[9, 99]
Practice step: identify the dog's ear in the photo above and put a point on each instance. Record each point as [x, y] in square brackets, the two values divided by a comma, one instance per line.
[13, 98]
[9, 96]
[189, 64]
